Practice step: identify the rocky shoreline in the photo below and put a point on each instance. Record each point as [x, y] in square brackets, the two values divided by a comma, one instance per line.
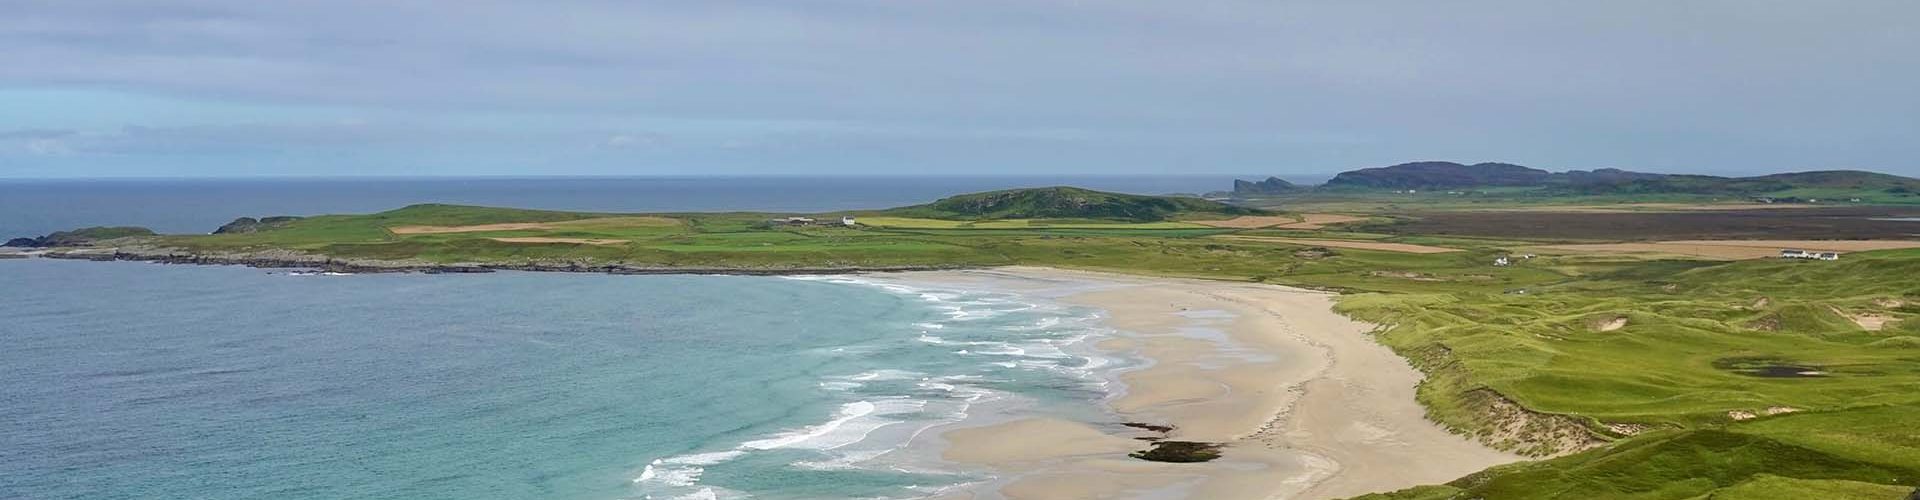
[281, 259]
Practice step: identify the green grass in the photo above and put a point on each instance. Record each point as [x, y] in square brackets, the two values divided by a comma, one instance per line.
[1670, 376]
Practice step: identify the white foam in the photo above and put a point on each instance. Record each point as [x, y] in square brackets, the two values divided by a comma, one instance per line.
[840, 385]
[886, 374]
[703, 494]
[704, 458]
[855, 421]
[670, 476]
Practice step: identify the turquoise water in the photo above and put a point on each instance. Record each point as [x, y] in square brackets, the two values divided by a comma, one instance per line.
[135, 380]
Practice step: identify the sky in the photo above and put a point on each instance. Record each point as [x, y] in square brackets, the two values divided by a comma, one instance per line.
[215, 88]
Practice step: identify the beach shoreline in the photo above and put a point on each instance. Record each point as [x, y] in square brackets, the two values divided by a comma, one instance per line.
[1304, 402]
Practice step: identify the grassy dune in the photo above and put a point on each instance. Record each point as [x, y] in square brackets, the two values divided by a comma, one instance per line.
[1672, 403]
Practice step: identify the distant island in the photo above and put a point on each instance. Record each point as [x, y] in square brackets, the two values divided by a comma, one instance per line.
[1522, 181]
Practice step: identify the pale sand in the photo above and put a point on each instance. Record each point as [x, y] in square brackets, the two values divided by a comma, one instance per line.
[1361, 245]
[1730, 249]
[1310, 406]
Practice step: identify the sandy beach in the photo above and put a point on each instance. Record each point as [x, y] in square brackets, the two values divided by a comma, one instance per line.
[1307, 405]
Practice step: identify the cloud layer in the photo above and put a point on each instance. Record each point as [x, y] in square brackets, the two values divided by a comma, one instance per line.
[222, 87]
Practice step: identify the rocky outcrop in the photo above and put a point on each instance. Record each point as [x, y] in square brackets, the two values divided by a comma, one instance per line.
[245, 225]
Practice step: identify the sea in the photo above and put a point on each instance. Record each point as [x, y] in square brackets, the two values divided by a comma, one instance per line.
[130, 380]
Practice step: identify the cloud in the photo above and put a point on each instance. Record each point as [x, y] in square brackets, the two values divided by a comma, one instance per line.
[1064, 85]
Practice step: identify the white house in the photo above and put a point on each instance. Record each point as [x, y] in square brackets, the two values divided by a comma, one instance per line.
[1793, 253]
[848, 221]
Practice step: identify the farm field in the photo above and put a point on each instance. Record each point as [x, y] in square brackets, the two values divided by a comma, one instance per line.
[1848, 223]
[1728, 249]
[1361, 245]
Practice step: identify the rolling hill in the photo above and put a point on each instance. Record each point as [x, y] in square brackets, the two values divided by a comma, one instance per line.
[1070, 203]
[1450, 175]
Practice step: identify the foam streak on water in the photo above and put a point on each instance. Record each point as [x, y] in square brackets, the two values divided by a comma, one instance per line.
[968, 348]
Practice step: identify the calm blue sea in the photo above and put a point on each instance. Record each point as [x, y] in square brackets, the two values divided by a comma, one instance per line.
[140, 381]
[36, 207]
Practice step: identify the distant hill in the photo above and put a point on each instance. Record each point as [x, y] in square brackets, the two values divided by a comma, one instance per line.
[1273, 185]
[1450, 175]
[1440, 175]
[1070, 203]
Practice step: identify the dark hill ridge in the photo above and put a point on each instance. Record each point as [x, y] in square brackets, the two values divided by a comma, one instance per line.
[1069, 203]
[1273, 185]
[1450, 175]
[1440, 174]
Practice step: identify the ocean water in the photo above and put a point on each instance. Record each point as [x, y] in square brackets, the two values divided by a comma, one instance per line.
[36, 207]
[137, 381]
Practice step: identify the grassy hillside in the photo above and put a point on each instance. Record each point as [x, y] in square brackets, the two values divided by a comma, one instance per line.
[1071, 203]
[1718, 379]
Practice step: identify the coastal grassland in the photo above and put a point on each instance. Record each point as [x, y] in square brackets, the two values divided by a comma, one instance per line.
[1681, 379]
[446, 234]
[1641, 377]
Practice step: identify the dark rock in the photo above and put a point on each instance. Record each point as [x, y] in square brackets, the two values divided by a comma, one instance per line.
[1914, 496]
[25, 242]
[1179, 452]
[1151, 427]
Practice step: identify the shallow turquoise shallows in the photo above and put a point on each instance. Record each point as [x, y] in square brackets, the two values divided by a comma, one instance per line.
[134, 380]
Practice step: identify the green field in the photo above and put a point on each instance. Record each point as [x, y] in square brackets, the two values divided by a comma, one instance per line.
[1631, 378]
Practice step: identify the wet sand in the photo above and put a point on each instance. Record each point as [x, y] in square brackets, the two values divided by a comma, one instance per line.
[1308, 405]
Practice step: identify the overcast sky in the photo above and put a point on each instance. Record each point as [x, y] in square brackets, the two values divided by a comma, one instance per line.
[388, 87]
